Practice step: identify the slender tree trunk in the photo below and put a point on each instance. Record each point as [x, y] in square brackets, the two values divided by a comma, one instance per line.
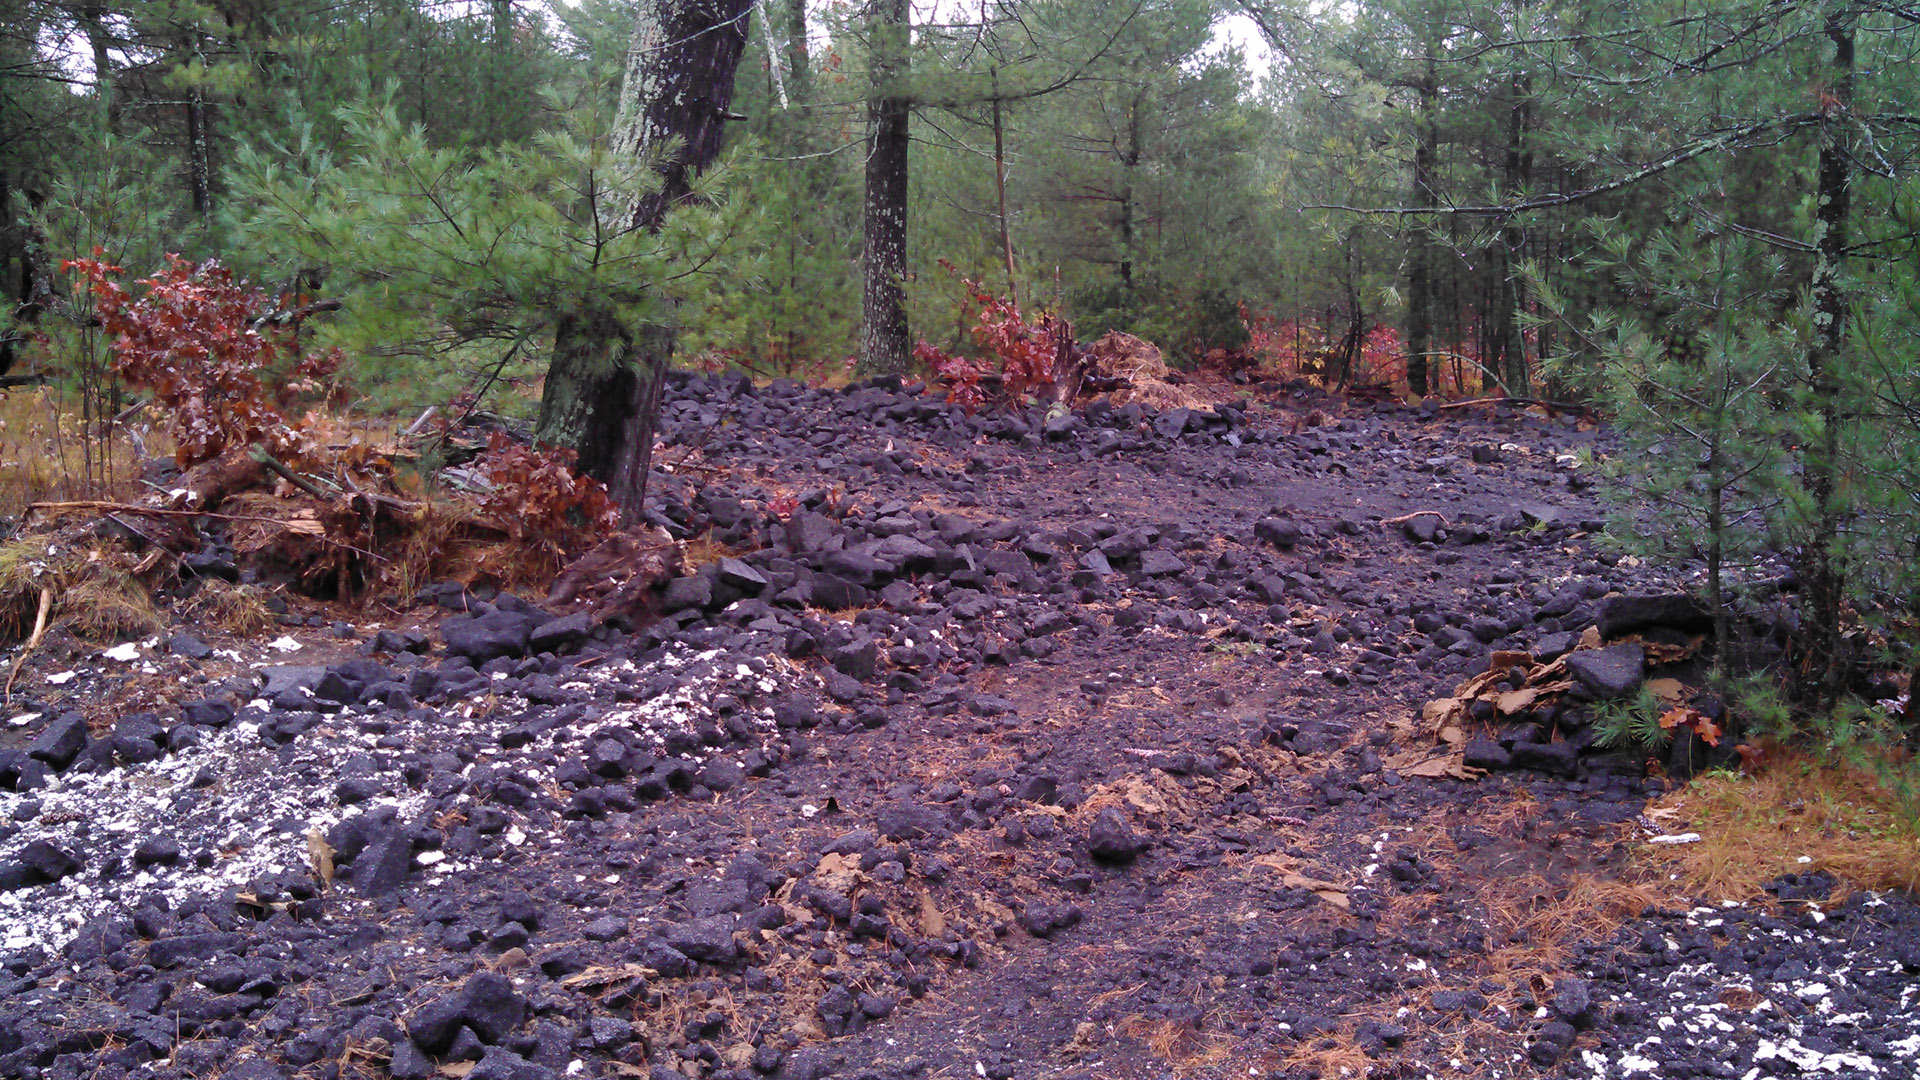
[501, 84]
[885, 343]
[1821, 570]
[602, 395]
[93, 21]
[1513, 242]
[199, 147]
[799, 64]
[1419, 243]
[1129, 161]
[15, 276]
[1000, 189]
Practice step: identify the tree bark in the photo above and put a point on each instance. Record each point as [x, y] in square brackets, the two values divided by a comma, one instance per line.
[501, 81]
[1511, 345]
[799, 64]
[885, 342]
[1000, 190]
[199, 148]
[1129, 161]
[1821, 569]
[1419, 243]
[602, 394]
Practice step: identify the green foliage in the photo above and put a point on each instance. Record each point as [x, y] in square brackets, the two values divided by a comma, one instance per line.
[1631, 723]
[455, 264]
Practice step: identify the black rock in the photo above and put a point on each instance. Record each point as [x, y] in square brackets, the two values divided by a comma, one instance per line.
[138, 737]
[170, 951]
[1573, 1001]
[831, 593]
[410, 1064]
[491, 1006]
[1612, 672]
[908, 822]
[486, 637]
[157, 851]
[61, 742]
[1550, 647]
[336, 687]
[1421, 528]
[184, 644]
[808, 532]
[1559, 758]
[1279, 532]
[1553, 1040]
[382, 866]
[39, 863]
[693, 591]
[739, 575]
[1486, 754]
[557, 634]
[1111, 839]
[285, 679]
[709, 939]
[1045, 920]
[1155, 562]
[857, 659]
[1628, 614]
[212, 714]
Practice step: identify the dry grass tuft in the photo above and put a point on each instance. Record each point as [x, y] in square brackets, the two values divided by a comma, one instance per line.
[47, 454]
[1753, 829]
[23, 565]
[703, 549]
[240, 610]
[107, 604]
[95, 593]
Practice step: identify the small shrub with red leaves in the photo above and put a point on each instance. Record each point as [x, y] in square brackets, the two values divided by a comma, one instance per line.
[541, 501]
[195, 338]
[1021, 353]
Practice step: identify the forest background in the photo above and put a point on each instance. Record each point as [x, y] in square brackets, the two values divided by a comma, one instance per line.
[1701, 216]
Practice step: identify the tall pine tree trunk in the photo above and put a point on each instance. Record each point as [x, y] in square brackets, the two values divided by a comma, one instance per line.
[1000, 190]
[885, 344]
[1419, 243]
[1821, 565]
[1511, 344]
[799, 65]
[199, 146]
[1129, 161]
[602, 394]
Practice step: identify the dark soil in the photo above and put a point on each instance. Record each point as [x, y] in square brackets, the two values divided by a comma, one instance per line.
[991, 746]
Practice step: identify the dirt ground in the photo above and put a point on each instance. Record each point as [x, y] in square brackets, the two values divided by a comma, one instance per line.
[1085, 745]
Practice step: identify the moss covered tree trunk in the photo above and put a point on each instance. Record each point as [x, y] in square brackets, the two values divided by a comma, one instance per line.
[602, 394]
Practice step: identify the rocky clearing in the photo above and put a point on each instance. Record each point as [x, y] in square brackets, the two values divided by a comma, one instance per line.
[1082, 746]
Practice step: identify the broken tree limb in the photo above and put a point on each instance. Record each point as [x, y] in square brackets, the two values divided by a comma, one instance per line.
[1404, 518]
[130, 508]
[260, 455]
[1501, 399]
[33, 641]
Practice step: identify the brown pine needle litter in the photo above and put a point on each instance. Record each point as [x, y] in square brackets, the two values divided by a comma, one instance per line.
[1799, 815]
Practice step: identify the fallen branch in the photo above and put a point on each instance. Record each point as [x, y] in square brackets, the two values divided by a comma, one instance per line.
[1404, 518]
[1562, 406]
[129, 508]
[260, 455]
[33, 642]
